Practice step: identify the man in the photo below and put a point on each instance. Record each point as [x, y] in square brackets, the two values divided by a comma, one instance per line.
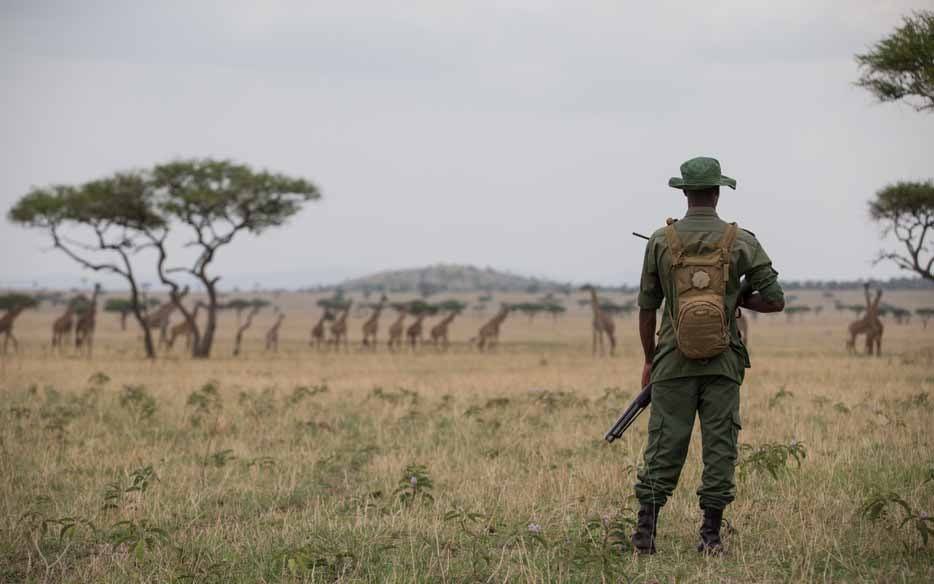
[684, 385]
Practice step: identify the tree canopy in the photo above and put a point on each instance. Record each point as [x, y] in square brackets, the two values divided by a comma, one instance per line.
[905, 210]
[901, 66]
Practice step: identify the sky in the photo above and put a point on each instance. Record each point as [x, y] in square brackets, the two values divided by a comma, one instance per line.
[529, 136]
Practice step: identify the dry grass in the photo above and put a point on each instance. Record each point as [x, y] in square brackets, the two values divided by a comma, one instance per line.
[272, 483]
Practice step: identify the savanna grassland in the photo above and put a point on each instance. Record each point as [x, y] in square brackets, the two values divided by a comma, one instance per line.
[456, 467]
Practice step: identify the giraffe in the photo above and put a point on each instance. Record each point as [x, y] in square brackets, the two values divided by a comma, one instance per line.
[317, 331]
[602, 324]
[159, 319]
[238, 340]
[87, 322]
[439, 332]
[184, 329]
[488, 335]
[371, 326]
[272, 335]
[8, 320]
[414, 331]
[397, 329]
[63, 325]
[339, 329]
[869, 324]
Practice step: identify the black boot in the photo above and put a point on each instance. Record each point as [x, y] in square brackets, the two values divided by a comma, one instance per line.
[710, 543]
[643, 538]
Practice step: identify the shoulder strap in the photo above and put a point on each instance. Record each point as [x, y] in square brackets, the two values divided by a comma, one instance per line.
[729, 236]
[726, 247]
[675, 247]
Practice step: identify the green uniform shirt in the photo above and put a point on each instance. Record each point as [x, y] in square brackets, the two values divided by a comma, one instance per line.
[701, 229]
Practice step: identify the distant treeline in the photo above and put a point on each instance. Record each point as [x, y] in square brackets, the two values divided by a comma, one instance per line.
[890, 284]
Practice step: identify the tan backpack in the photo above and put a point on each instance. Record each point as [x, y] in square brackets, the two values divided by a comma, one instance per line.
[700, 321]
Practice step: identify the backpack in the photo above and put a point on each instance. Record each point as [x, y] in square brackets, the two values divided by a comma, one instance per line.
[700, 321]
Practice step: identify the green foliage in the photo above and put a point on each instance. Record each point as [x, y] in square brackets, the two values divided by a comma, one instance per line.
[139, 538]
[124, 200]
[779, 396]
[15, 300]
[604, 542]
[258, 405]
[205, 192]
[901, 66]
[137, 400]
[884, 508]
[124, 305]
[205, 402]
[450, 305]
[415, 485]
[139, 481]
[416, 307]
[301, 392]
[220, 458]
[241, 304]
[771, 458]
[99, 379]
[334, 304]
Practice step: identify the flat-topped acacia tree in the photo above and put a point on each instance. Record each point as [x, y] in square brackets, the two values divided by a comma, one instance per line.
[214, 200]
[99, 226]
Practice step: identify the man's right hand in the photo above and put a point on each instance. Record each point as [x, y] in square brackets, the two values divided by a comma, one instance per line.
[646, 374]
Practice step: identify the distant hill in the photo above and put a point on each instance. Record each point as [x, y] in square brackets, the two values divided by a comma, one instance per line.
[452, 278]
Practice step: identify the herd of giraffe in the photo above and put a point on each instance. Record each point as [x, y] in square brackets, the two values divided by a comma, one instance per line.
[400, 335]
[331, 329]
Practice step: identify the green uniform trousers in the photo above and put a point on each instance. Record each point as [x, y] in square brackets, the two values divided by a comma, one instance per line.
[674, 404]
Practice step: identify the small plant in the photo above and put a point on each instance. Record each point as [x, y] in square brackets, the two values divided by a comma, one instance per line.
[770, 457]
[885, 507]
[779, 396]
[137, 537]
[261, 462]
[99, 379]
[334, 565]
[140, 480]
[138, 401]
[220, 458]
[415, 485]
[395, 397]
[260, 405]
[205, 402]
[303, 392]
[604, 540]
[841, 408]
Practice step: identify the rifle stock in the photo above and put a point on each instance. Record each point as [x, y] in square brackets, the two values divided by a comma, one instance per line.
[629, 416]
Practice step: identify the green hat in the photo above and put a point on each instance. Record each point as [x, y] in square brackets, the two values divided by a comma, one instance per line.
[701, 173]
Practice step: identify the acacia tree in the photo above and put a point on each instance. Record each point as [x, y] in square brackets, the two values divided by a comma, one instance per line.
[97, 225]
[906, 211]
[901, 66]
[215, 200]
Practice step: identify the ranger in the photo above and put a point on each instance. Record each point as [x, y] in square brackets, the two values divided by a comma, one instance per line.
[694, 266]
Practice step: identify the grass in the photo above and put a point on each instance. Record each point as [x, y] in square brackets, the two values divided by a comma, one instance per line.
[361, 467]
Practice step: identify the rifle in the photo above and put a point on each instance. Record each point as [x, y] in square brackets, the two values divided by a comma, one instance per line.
[635, 408]
[630, 414]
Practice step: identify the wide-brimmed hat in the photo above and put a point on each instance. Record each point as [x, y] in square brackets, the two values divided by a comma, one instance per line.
[701, 173]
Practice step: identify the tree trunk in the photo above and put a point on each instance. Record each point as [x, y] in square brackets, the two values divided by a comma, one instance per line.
[137, 309]
[202, 349]
[123, 315]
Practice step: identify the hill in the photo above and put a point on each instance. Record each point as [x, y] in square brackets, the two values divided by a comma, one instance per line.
[452, 278]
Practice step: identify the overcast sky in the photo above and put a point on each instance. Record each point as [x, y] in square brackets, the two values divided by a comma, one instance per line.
[530, 136]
